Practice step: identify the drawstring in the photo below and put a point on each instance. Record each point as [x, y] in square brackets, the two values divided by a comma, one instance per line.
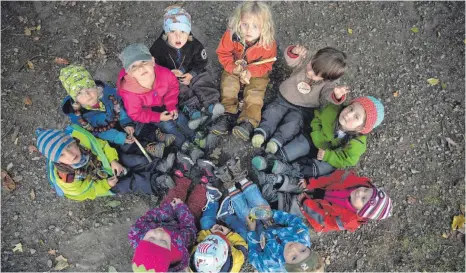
[210, 199]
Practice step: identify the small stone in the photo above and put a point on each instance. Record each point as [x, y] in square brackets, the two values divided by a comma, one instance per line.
[127, 219]
[57, 229]
[80, 230]
[15, 50]
[49, 263]
[51, 227]
[9, 166]
[16, 234]
[32, 250]
[96, 225]
[15, 217]
[75, 41]
[70, 213]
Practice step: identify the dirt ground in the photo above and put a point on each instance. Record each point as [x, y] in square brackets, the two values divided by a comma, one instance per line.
[417, 154]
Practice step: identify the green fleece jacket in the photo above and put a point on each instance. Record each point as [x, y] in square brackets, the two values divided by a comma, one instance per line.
[323, 137]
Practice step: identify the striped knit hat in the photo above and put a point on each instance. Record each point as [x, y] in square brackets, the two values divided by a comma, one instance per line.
[52, 142]
[374, 112]
[378, 207]
[74, 78]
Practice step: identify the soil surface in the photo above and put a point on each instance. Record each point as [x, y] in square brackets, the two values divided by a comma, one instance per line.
[417, 154]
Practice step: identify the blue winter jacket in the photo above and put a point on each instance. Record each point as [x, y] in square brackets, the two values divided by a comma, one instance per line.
[287, 228]
[98, 118]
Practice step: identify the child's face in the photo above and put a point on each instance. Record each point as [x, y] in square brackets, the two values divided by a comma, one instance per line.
[142, 71]
[295, 252]
[311, 74]
[88, 97]
[352, 117]
[177, 38]
[159, 237]
[360, 196]
[70, 155]
[250, 27]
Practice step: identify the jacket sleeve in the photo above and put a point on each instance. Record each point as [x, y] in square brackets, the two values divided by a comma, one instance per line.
[171, 97]
[225, 52]
[238, 242]
[262, 69]
[256, 256]
[316, 125]
[288, 220]
[186, 224]
[110, 153]
[113, 136]
[125, 120]
[338, 176]
[199, 61]
[137, 112]
[321, 221]
[328, 96]
[347, 156]
[161, 214]
[85, 189]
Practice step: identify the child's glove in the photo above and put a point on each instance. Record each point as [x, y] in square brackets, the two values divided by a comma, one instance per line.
[251, 223]
[112, 181]
[320, 154]
[175, 202]
[245, 77]
[302, 183]
[220, 229]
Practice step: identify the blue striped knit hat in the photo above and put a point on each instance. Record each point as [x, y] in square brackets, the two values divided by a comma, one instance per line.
[374, 112]
[51, 142]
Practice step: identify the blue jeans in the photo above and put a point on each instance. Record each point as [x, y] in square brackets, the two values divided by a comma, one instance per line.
[243, 202]
[208, 220]
[179, 128]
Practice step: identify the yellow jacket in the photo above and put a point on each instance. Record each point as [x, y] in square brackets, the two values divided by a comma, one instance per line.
[236, 242]
[87, 188]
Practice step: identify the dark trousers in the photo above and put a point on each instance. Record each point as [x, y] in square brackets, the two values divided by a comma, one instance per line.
[179, 128]
[201, 92]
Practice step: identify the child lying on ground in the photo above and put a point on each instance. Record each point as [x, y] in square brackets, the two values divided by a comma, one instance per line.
[312, 84]
[178, 50]
[339, 201]
[97, 108]
[80, 166]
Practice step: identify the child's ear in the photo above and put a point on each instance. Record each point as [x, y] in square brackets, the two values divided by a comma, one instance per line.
[164, 36]
[190, 38]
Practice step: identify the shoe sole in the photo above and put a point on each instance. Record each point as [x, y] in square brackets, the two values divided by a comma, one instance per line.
[194, 124]
[218, 110]
[257, 162]
[240, 134]
[257, 144]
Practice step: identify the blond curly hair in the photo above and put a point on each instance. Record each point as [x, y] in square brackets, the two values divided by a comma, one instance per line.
[262, 12]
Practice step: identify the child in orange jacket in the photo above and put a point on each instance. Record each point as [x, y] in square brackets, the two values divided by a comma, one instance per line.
[249, 39]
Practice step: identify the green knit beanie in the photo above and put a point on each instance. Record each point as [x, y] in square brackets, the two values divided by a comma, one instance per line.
[310, 264]
[76, 78]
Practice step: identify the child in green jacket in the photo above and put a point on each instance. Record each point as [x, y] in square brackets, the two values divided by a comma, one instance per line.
[339, 136]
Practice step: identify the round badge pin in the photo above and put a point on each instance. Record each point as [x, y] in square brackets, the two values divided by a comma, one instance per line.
[304, 87]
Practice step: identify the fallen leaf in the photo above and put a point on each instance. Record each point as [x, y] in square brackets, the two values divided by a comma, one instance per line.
[350, 31]
[32, 195]
[413, 171]
[30, 65]
[458, 222]
[396, 93]
[61, 61]
[444, 235]
[27, 31]
[27, 100]
[102, 49]
[444, 85]
[113, 203]
[433, 81]
[414, 30]
[111, 269]
[38, 27]
[411, 199]
[451, 142]
[18, 248]
[8, 182]
[62, 263]
[32, 149]
[52, 252]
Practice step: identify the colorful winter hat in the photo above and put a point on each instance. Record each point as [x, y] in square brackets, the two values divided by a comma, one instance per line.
[310, 264]
[378, 207]
[134, 53]
[211, 254]
[52, 142]
[374, 112]
[75, 78]
[149, 257]
[176, 18]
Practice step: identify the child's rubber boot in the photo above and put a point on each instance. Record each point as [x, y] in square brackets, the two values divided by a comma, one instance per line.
[155, 149]
[223, 124]
[259, 163]
[206, 166]
[166, 181]
[168, 139]
[185, 163]
[295, 149]
[166, 164]
[216, 110]
[195, 123]
[257, 140]
[243, 130]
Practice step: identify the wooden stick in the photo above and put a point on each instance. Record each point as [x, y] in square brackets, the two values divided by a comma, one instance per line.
[142, 149]
[264, 61]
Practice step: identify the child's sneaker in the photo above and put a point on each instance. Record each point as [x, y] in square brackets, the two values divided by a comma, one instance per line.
[196, 153]
[234, 165]
[216, 110]
[195, 123]
[225, 209]
[222, 124]
[192, 112]
[271, 179]
[163, 137]
[280, 167]
[257, 140]
[185, 162]
[166, 181]
[224, 175]
[166, 164]
[206, 166]
[272, 147]
[155, 149]
[259, 163]
[243, 130]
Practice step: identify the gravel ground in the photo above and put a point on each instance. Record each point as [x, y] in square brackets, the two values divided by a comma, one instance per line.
[417, 154]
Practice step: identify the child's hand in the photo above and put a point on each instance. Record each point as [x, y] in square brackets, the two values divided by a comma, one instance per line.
[301, 198]
[220, 229]
[339, 91]
[237, 70]
[174, 114]
[112, 181]
[175, 202]
[251, 223]
[129, 139]
[245, 77]
[302, 183]
[320, 154]
[129, 130]
[186, 78]
[166, 116]
[299, 50]
[117, 168]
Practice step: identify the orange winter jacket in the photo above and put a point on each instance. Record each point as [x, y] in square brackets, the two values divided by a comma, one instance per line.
[231, 49]
[324, 216]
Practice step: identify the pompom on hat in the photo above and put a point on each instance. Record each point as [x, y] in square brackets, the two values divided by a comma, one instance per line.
[176, 18]
[52, 142]
[378, 207]
[374, 112]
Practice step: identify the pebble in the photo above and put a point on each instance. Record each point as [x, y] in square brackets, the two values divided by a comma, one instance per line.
[57, 229]
[96, 225]
[15, 217]
[127, 219]
[16, 234]
[75, 41]
[51, 227]
[49, 263]
[9, 166]
[32, 250]
[80, 230]
[15, 50]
